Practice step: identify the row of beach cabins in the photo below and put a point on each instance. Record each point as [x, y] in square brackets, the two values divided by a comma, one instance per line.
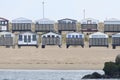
[72, 39]
[46, 25]
[26, 37]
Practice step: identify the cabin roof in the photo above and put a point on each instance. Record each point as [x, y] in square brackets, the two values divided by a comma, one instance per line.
[23, 33]
[45, 21]
[3, 19]
[51, 33]
[4, 33]
[21, 20]
[116, 35]
[98, 35]
[92, 21]
[112, 21]
[67, 20]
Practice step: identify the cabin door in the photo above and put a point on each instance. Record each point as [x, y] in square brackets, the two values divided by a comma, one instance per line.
[3, 28]
[27, 39]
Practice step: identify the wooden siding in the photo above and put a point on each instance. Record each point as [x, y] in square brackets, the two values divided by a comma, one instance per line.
[6, 41]
[51, 41]
[116, 41]
[75, 41]
[44, 27]
[21, 26]
[66, 26]
[89, 27]
[98, 42]
[112, 28]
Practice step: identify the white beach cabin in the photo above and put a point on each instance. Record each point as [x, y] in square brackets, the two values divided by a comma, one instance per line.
[115, 40]
[4, 24]
[98, 39]
[7, 39]
[74, 39]
[51, 39]
[28, 39]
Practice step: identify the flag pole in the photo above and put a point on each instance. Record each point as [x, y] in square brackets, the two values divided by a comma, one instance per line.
[43, 9]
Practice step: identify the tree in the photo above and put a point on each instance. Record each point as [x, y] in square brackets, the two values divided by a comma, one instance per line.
[117, 60]
[111, 69]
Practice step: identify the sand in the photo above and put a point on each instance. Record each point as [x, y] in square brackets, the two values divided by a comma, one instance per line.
[53, 57]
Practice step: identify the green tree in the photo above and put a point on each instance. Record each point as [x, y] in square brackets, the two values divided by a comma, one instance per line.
[111, 69]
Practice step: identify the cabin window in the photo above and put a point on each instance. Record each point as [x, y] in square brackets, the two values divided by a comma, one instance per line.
[84, 23]
[95, 36]
[20, 37]
[48, 35]
[2, 36]
[53, 36]
[29, 38]
[80, 36]
[57, 36]
[34, 38]
[73, 36]
[89, 21]
[25, 38]
[69, 36]
[76, 36]
[37, 22]
[2, 22]
[7, 35]
[44, 36]
[6, 22]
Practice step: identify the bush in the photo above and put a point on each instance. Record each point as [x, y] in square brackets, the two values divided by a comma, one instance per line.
[87, 76]
[111, 69]
[95, 75]
[117, 60]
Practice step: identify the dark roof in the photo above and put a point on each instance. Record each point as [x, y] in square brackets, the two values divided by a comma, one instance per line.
[3, 19]
[67, 20]
[28, 32]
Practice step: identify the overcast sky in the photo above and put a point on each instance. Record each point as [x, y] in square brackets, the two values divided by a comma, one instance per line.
[58, 9]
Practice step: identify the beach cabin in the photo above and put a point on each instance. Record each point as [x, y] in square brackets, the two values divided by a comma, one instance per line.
[89, 25]
[98, 39]
[44, 25]
[51, 39]
[28, 39]
[4, 23]
[112, 25]
[66, 25]
[7, 39]
[115, 40]
[21, 24]
[74, 39]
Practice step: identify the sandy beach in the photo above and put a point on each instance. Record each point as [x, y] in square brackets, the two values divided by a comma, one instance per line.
[53, 57]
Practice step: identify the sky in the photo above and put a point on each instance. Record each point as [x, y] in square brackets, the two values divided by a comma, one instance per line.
[59, 9]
